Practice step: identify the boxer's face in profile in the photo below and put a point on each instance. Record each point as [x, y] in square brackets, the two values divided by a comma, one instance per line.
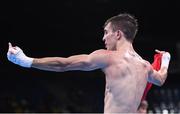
[110, 37]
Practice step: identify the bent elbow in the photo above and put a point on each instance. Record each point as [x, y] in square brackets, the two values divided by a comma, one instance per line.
[162, 78]
[161, 83]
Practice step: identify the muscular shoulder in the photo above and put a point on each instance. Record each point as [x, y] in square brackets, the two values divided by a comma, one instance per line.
[101, 54]
[142, 61]
[147, 65]
[100, 57]
[101, 51]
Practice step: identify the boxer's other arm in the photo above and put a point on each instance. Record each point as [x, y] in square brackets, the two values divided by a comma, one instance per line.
[159, 77]
[95, 60]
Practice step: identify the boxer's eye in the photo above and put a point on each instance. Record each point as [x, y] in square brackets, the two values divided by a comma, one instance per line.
[105, 32]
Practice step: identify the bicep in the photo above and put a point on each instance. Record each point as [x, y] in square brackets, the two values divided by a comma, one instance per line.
[157, 77]
[95, 60]
[77, 62]
[153, 77]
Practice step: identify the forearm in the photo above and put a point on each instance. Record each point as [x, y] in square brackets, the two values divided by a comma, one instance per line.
[164, 67]
[57, 64]
[162, 75]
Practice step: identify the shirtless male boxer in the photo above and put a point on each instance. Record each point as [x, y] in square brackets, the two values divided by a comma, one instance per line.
[125, 71]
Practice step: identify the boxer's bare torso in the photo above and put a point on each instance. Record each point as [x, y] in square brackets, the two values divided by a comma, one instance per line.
[126, 78]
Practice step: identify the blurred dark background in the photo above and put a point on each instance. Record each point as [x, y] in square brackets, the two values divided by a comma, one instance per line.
[67, 27]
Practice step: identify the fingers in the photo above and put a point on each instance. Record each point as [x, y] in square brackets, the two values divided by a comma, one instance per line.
[158, 51]
[164, 53]
[12, 49]
[10, 45]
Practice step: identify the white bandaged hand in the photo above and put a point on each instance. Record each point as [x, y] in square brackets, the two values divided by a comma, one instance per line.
[16, 55]
[165, 60]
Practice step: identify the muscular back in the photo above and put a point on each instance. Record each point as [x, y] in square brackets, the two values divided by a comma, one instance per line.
[126, 78]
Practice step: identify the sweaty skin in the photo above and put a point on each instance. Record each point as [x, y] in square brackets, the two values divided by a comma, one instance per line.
[125, 71]
[126, 78]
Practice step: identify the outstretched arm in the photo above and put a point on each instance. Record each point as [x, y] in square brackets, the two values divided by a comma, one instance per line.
[95, 60]
[159, 77]
[76, 62]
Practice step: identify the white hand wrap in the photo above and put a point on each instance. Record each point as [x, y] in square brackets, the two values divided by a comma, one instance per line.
[19, 58]
[165, 60]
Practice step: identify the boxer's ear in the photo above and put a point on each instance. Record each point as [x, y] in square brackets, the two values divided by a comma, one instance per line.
[119, 34]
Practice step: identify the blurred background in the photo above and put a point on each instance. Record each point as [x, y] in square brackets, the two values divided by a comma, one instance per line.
[67, 27]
